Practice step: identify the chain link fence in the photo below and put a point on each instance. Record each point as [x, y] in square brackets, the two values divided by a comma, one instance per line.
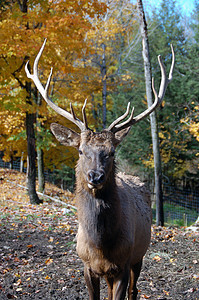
[181, 207]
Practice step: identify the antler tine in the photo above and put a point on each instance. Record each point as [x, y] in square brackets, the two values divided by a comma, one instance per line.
[48, 82]
[123, 125]
[112, 126]
[154, 91]
[172, 64]
[158, 97]
[72, 111]
[84, 114]
[35, 66]
[44, 92]
[164, 80]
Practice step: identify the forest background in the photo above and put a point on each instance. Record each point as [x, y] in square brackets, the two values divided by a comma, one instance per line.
[95, 51]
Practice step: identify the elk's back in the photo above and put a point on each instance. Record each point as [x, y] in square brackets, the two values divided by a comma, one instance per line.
[136, 212]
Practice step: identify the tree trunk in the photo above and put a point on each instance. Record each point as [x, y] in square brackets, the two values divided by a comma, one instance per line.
[104, 86]
[31, 175]
[21, 162]
[11, 163]
[40, 165]
[153, 118]
[40, 153]
[30, 121]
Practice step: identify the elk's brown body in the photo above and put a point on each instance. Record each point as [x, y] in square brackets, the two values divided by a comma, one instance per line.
[113, 209]
[114, 215]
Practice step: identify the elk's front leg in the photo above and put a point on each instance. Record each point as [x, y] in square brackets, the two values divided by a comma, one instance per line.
[93, 284]
[134, 275]
[109, 281]
[120, 285]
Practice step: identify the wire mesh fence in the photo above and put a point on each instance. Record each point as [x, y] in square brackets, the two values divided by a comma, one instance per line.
[181, 207]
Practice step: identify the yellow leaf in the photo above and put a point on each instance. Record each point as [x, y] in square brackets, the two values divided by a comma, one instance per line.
[161, 135]
[172, 260]
[49, 261]
[157, 258]
[166, 293]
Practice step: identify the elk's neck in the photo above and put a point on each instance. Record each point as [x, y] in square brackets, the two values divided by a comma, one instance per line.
[99, 211]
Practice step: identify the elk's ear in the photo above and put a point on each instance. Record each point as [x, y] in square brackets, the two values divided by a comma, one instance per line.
[120, 135]
[65, 135]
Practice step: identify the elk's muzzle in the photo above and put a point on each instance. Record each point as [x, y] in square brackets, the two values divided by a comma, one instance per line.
[95, 179]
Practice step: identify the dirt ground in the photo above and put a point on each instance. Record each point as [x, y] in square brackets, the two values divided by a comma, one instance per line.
[38, 259]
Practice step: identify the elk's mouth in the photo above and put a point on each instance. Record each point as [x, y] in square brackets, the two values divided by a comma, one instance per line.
[94, 186]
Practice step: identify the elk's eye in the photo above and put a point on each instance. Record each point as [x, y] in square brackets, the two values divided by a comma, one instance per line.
[80, 152]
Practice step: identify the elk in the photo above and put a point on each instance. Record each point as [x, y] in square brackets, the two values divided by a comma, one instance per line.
[114, 210]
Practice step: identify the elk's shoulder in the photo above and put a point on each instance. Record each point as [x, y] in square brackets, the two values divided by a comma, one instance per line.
[133, 186]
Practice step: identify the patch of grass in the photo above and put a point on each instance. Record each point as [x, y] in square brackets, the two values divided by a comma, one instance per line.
[4, 215]
[70, 243]
[178, 215]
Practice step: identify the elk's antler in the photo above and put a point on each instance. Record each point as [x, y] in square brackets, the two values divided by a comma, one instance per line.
[44, 92]
[115, 126]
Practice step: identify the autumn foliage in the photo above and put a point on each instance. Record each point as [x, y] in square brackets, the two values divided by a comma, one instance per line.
[23, 26]
[79, 34]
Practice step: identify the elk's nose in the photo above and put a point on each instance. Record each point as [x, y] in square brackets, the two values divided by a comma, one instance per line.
[96, 177]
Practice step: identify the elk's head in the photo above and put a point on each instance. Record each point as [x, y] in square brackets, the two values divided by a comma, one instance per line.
[96, 150]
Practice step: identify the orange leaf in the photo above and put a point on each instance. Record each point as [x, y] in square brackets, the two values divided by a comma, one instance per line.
[49, 261]
[166, 293]
[145, 296]
[16, 259]
[157, 258]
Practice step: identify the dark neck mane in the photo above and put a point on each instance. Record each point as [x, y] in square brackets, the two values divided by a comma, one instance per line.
[98, 211]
